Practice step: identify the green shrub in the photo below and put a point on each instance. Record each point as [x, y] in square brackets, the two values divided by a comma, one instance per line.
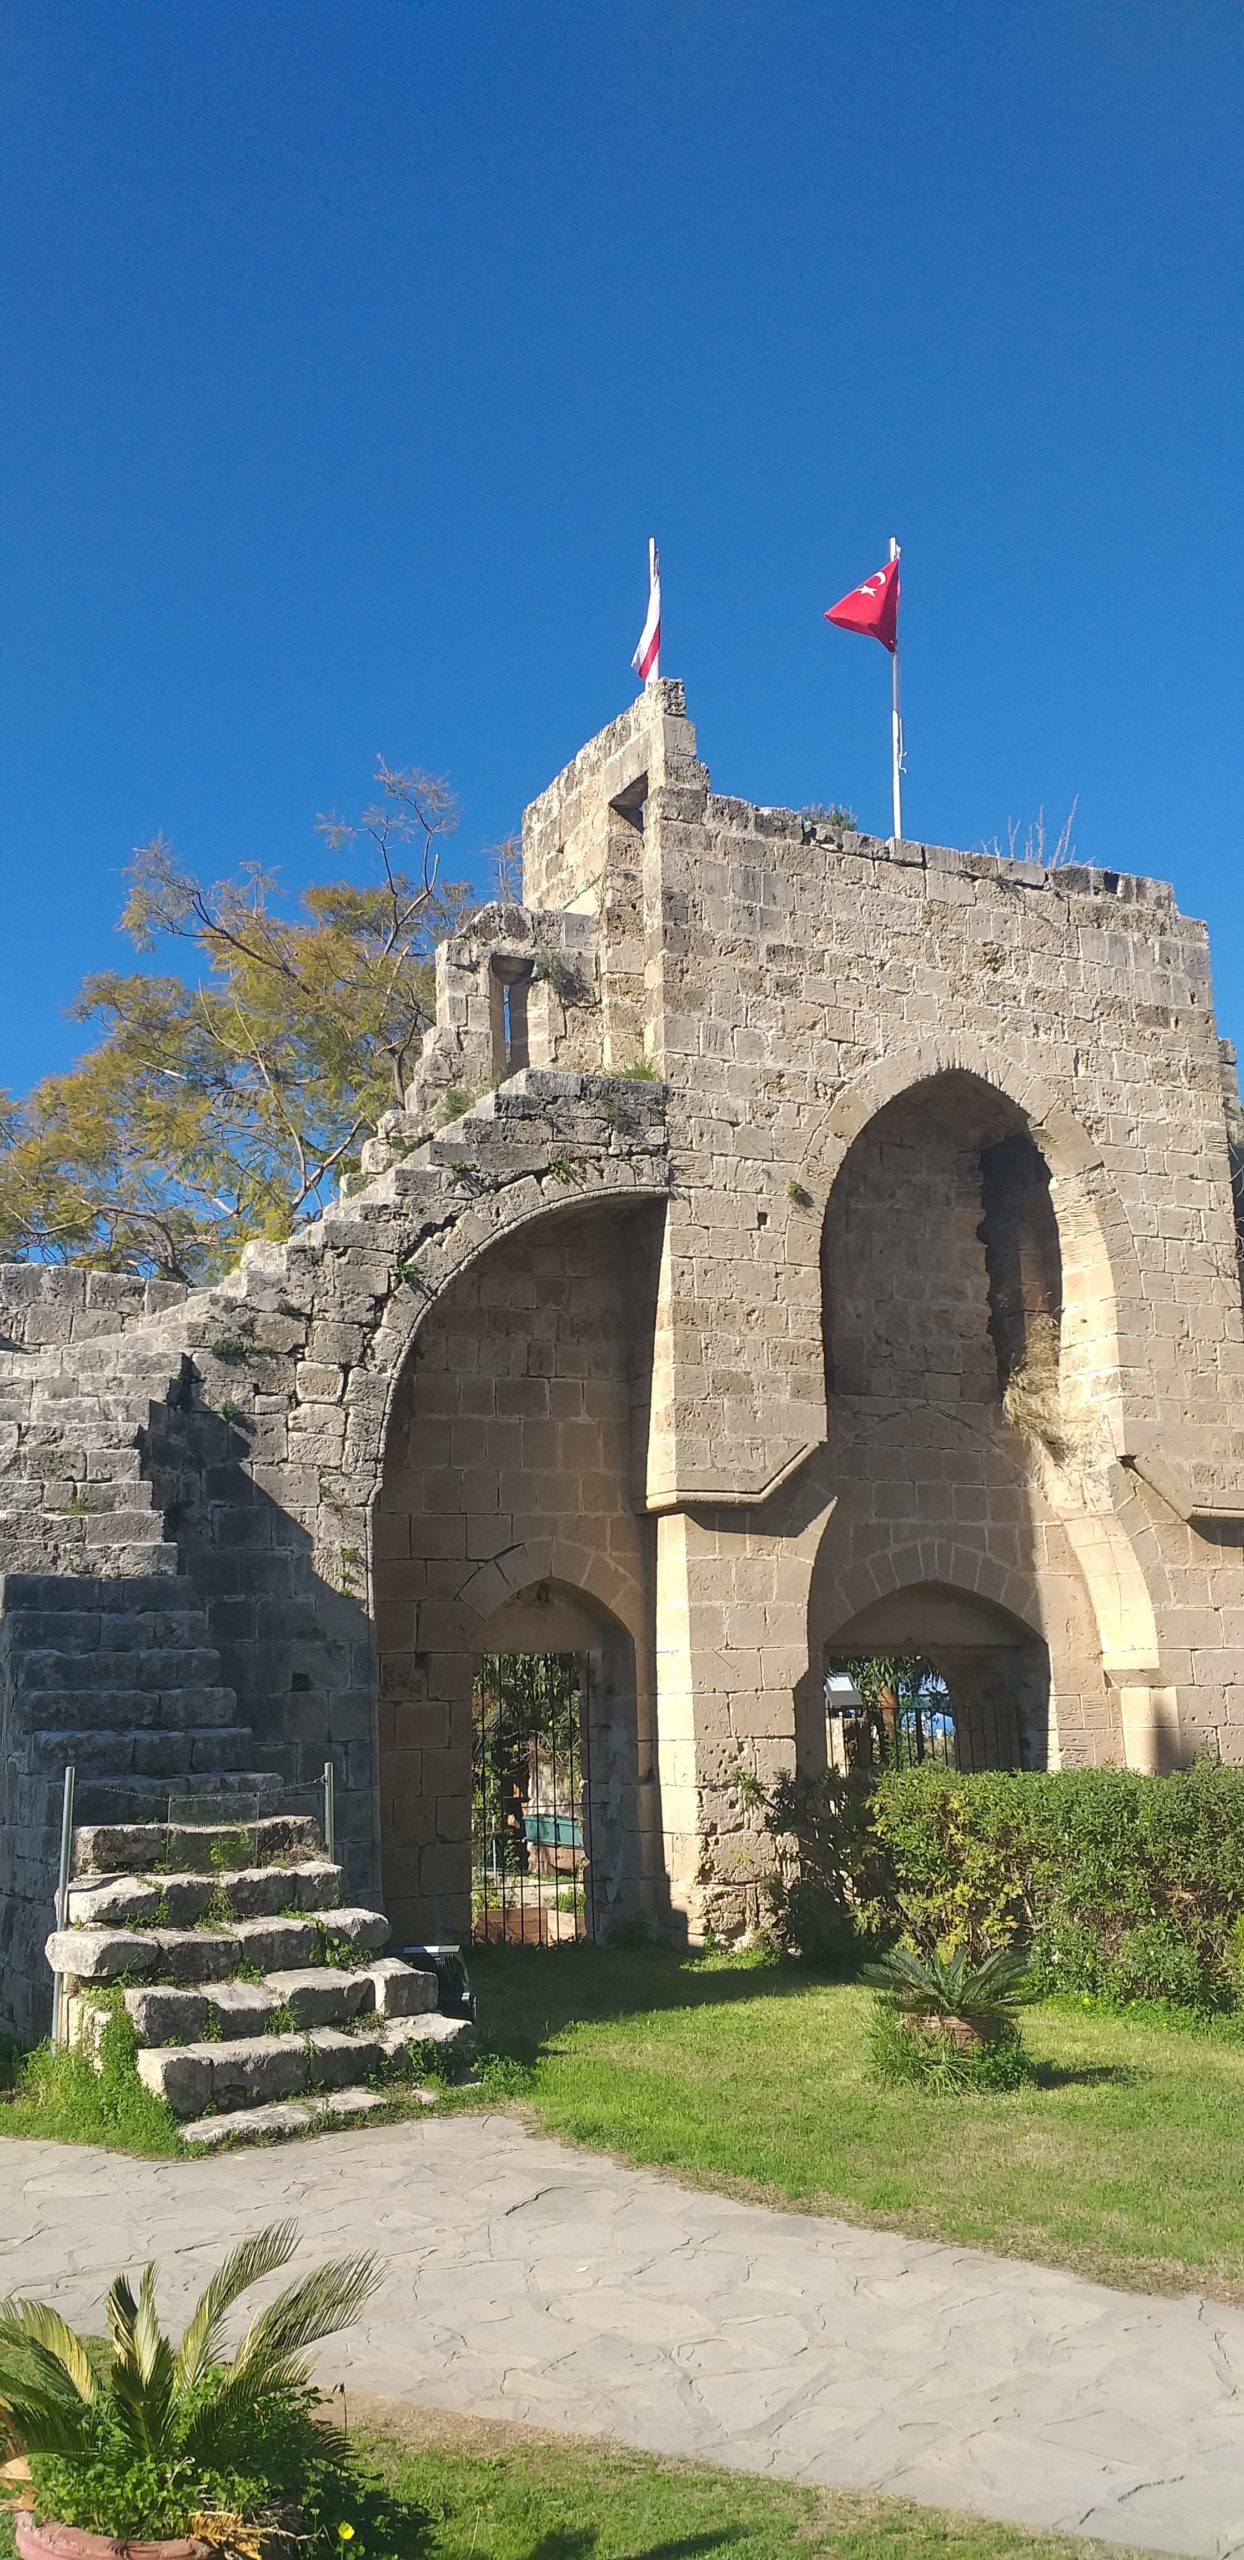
[1155, 1962]
[1112, 1878]
[131, 2436]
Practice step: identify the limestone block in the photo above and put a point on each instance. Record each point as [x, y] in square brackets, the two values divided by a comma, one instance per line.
[99, 1955]
[455, 2038]
[182, 2076]
[315, 1886]
[257, 1892]
[122, 1900]
[350, 2103]
[335, 2060]
[247, 2124]
[320, 1996]
[185, 1898]
[195, 1955]
[274, 1943]
[398, 1991]
[243, 2008]
[256, 2068]
[163, 2016]
[366, 1929]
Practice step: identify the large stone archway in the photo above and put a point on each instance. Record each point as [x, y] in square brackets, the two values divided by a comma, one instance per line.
[506, 1518]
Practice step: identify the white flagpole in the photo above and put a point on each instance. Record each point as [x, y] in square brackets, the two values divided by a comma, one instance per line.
[896, 725]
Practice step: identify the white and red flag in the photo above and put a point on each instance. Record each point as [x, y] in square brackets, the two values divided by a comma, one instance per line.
[647, 659]
[872, 608]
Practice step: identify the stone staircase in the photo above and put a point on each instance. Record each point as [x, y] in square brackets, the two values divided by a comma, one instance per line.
[118, 1679]
[263, 2006]
[73, 1497]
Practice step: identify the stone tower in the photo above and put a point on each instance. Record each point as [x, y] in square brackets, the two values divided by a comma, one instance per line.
[793, 1245]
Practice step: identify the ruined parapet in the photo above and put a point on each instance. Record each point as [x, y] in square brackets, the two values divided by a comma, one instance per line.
[516, 988]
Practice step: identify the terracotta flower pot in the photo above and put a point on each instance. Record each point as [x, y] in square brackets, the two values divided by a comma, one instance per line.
[69, 2542]
[964, 2033]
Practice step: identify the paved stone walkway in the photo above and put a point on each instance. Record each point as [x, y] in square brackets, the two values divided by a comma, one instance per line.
[532, 2282]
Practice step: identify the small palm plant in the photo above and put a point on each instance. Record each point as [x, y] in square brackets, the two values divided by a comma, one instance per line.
[950, 1991]
[130, 2435]
[945, 2023]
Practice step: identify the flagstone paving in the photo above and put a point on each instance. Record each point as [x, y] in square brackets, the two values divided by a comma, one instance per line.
[538, 2283]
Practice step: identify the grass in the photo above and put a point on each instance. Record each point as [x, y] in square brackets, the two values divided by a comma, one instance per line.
[60, 2097]
[493, 2492]
[433, 2486]
[1121, 2160]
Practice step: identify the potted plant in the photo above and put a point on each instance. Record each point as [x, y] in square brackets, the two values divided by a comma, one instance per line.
[174, 2452]
[970, 2006]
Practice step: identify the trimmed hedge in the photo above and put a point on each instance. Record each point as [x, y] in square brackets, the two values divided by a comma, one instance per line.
[1121, 1884]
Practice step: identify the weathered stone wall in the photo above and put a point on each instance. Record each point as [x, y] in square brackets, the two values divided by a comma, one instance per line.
[43, 1306]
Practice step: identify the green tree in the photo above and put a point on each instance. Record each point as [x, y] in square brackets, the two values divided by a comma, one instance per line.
[227, 1105]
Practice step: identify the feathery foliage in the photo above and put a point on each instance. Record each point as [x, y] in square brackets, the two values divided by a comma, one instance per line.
[951, 1985]
[137, 2436]
[228, 1107]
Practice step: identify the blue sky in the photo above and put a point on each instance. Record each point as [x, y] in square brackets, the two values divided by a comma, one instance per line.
[354, 348]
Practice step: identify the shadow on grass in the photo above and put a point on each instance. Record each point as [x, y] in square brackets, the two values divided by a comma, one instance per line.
[527, 1995]
[577, 2542]
[1085, 2075]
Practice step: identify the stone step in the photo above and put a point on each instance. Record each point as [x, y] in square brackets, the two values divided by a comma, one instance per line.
[147, 1751]
[176, 1711]
[74, 1594]
[131, 1901]
[212, 1954]
[118, 1666]
[66, 1473]
[306, 1997]
[26, 1556]
[245, 2071]
[121, 1803]
[132, 1847]
[82, 1634]
[289, 2117]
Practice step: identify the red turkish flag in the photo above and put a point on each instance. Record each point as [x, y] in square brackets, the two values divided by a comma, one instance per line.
[872, 608]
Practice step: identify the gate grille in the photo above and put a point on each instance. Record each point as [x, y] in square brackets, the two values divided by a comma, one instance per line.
[531, 1880]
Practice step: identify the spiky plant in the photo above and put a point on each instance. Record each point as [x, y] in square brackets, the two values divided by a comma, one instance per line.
[950, 1986]
[138, 2436]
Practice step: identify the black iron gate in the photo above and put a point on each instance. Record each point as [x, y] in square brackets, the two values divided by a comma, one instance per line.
[531, 1877]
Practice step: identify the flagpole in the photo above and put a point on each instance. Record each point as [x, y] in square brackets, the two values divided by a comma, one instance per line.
[896, 725]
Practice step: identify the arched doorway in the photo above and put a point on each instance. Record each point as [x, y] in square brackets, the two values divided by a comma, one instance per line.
[959, 1401]
[557, 1802]
[505, 1526]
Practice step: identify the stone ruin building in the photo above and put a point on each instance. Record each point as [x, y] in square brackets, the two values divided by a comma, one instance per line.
[893, 1305]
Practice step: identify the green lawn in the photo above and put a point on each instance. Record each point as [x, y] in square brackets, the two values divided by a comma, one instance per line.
[1126, 2163]
[534, 2500]
[428, 2486]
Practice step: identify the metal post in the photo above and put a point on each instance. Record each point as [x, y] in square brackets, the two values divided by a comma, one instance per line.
[896, 725]
[330, 1811]
[62, 1889]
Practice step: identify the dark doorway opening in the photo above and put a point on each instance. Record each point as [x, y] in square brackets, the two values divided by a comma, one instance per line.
[531, 1870]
